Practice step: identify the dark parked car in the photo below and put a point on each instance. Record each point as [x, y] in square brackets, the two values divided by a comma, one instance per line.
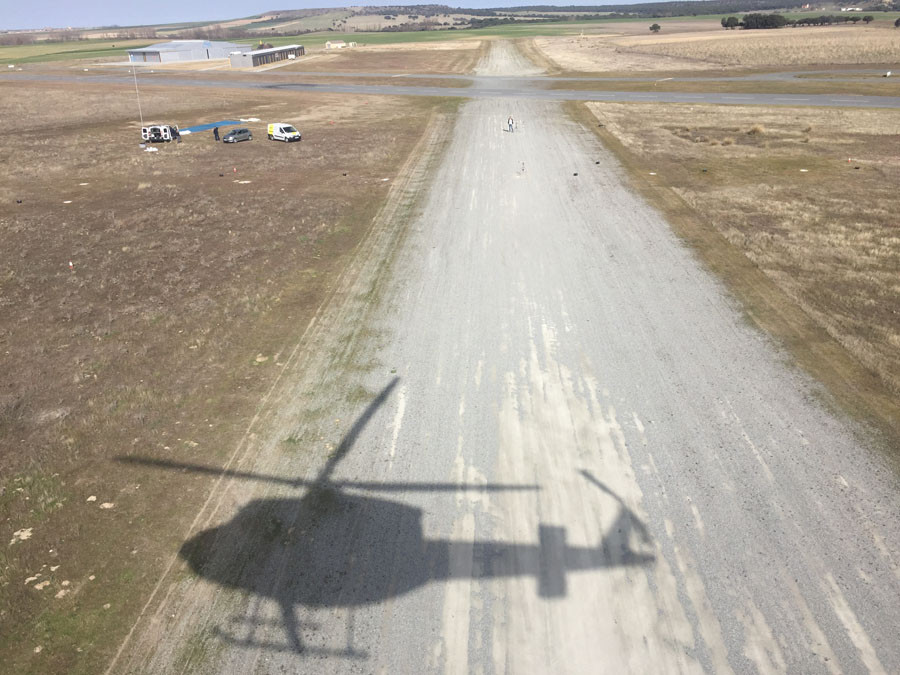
[236, 135]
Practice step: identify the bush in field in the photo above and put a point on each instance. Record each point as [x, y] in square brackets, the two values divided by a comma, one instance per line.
[730, 22]
[655, 28]
[868, 18]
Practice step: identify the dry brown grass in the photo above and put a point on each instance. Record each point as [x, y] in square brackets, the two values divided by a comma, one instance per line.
[863, 86]
[439, 57]
[785, 47]
[708, 50]
[778, 186]
[600, 53]
[181, 277]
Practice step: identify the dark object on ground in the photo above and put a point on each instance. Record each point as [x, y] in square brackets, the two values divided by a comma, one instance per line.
[216, 134]
[574, 174]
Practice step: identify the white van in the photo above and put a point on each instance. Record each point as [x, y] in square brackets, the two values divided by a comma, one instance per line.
[159, 133]
[279, 131]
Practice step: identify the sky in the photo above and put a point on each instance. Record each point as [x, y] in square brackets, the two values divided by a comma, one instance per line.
[15, 14]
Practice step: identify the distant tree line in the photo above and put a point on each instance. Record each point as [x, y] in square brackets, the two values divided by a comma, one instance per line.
[7, 39]
[500, 21]
[410, 26]
[757, 21]
[421, 10]
[667, 9]
[30, 38]
[830, 19]
[235, 33]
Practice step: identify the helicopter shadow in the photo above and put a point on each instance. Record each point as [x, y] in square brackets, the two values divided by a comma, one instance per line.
[339, 546]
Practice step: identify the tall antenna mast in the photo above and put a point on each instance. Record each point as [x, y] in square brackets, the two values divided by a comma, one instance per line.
[137, 93]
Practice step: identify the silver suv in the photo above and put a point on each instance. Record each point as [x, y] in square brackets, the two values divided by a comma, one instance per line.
[236, 135]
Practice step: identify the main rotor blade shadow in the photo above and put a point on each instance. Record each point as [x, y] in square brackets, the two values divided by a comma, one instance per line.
[350, 437]
[324, 475]
[373, 486]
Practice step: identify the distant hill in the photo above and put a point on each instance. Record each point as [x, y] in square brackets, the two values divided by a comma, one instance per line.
[351, 19]
[676, 8]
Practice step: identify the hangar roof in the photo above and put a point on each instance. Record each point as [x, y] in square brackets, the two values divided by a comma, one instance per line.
[187, 45]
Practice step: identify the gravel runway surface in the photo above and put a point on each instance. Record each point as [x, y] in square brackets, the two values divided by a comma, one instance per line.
[577, 458]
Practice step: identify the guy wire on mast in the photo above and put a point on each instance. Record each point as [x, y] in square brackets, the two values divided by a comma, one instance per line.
[136, 93]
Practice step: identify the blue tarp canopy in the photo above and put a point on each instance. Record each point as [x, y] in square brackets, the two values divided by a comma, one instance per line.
[206, 127]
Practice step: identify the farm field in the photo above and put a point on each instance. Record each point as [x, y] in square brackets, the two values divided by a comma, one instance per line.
[778, 186]
[67, 51]
[875, 44]
[332, 25]
[116, 49]
[313, 21]
[149, 302]
[711, 50]
[434, 57]
[503, 31]
[852, 86]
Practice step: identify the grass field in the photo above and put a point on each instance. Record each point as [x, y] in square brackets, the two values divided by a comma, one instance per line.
[689, 50]
[66, 51]
[505, 31]
[434, 57]
[777, 184]
[193, 270]
[315, 21]
[862, 86]
[880, 18]
[99, 49]
[860, 44]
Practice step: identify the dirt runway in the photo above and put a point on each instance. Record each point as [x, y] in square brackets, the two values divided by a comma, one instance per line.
[573, 455]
